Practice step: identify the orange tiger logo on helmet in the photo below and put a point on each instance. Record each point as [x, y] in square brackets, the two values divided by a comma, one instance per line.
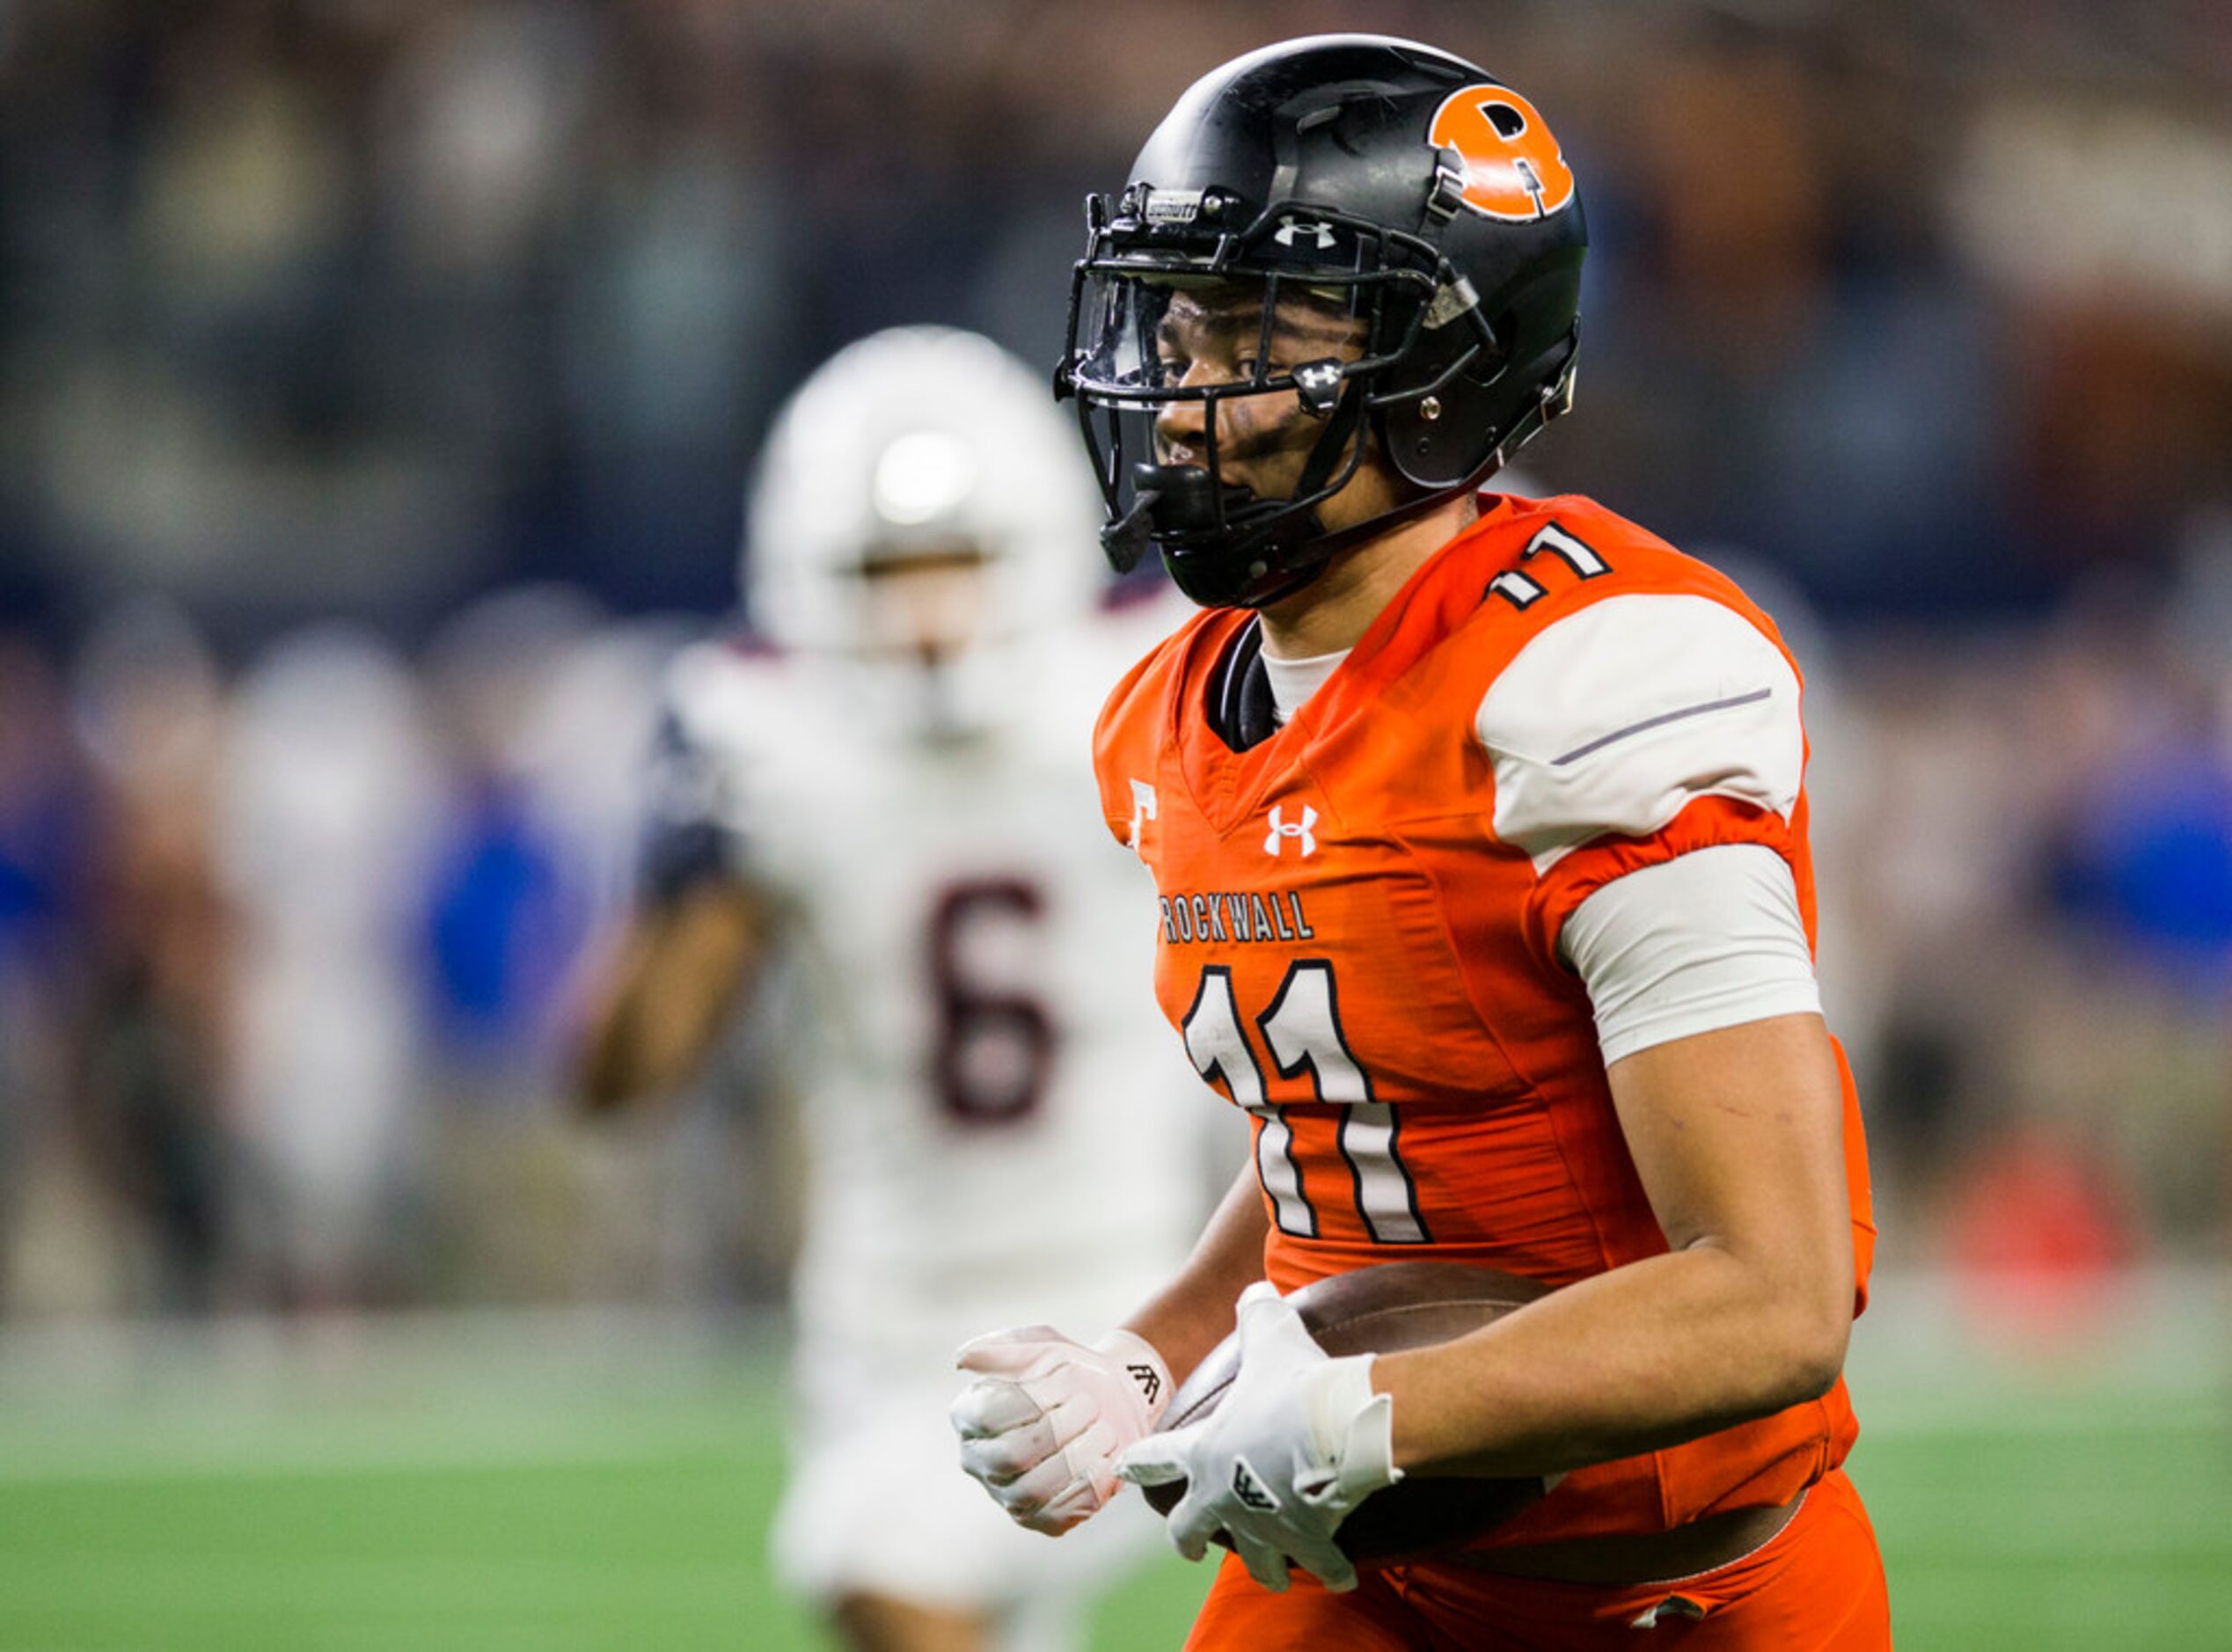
[1514, 169]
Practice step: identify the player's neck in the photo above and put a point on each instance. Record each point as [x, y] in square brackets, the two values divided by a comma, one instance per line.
[1331, 612]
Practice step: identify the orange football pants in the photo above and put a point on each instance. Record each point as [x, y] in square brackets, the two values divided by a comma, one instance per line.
[1815, 1586]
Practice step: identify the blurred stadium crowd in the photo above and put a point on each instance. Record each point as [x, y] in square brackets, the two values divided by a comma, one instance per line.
[377, 379]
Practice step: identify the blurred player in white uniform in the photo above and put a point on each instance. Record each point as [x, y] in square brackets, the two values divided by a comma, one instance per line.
[899, 801]
[328, 783]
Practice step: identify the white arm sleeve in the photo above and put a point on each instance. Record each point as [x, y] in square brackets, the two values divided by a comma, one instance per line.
[1707, 939]
[1616, 717]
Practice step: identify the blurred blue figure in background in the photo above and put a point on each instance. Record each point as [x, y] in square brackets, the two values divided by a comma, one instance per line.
[507, 906]
[2148, 867]
[502, 926]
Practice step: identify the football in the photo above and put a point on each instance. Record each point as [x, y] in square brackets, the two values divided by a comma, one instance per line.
[1383, 1310]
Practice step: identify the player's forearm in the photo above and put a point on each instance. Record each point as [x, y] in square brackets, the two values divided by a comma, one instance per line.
[1194, 1312]
[635, 1051]
[1736, 1135]
[1637, 1359]
[671, 991]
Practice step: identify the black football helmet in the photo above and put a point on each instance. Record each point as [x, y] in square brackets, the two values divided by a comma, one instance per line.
[1405, 186]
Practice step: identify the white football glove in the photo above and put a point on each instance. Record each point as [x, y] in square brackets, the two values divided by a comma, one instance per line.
[1299, 1441]
[1043, 1423]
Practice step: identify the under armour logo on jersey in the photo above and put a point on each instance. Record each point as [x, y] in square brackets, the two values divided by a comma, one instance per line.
[1249, 1487]
[1283, 828]
[1143, 810]
[1150, 1382]
[1292, 229]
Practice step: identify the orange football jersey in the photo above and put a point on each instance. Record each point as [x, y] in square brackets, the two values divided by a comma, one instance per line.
[1360, 913]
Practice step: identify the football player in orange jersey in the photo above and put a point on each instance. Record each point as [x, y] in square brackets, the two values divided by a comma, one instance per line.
[1479, 832]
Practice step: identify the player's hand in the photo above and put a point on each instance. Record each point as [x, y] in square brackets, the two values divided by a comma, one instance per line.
[1299, 1442]
[1043, 1423]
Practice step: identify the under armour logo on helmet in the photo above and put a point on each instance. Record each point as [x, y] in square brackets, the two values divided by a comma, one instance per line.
[1281, 830]
[1319, 384]
[1292, 229]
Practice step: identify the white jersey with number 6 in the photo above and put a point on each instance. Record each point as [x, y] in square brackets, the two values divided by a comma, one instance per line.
[992, 1111]
[999, 1128]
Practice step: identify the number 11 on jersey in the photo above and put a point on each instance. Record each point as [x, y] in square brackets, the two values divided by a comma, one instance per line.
[1301, 1030]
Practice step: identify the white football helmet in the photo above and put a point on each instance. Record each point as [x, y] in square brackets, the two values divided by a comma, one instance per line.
[922, 441]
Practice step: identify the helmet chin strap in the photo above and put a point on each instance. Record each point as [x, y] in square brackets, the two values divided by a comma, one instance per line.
[1556, 398]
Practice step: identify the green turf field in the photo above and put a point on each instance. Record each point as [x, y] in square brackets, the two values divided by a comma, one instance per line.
[552, 1485]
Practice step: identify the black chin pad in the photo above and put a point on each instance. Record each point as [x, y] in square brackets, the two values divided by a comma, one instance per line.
[1183, 498]
[1223, 546]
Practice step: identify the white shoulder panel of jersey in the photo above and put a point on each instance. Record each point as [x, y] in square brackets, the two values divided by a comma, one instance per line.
[1075, 667]
[744, 723]
[726, 700]
[1613, 719]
